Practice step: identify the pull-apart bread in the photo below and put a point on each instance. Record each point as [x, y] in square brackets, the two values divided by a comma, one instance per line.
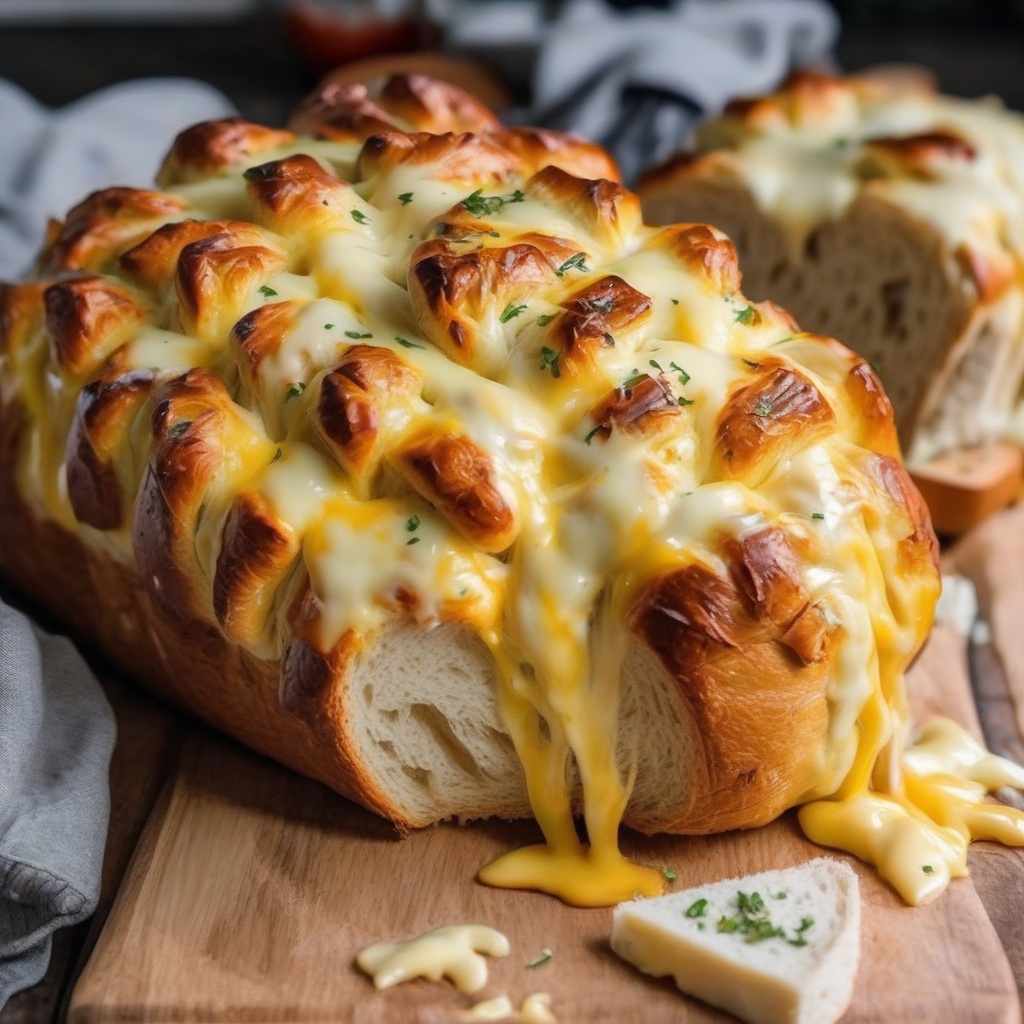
[889, 217]
[420, 464]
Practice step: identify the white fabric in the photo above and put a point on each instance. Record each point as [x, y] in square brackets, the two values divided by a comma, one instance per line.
[638, 80]
[51, 159]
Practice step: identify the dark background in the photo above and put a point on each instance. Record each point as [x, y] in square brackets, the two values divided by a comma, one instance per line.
[975, 47]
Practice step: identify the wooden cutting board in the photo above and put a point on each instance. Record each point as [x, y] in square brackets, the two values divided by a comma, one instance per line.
[253, 888]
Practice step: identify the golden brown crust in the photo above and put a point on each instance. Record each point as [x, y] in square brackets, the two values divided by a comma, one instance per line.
[206, 149]
[459, 478]
[106, 223]
[779, 411]
[758, 749]
[401, 102]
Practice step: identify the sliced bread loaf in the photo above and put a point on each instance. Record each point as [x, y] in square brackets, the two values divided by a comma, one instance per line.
[890, 218]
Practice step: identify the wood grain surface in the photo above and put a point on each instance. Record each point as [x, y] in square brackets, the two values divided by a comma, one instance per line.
[253, 888]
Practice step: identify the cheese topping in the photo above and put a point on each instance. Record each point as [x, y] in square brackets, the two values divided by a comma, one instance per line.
[514, 380]
[456, 953]
[536, 1009]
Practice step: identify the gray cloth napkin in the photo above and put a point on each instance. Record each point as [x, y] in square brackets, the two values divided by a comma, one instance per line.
[51, 159]
[638, 80]
[56, 728]
[56, 736]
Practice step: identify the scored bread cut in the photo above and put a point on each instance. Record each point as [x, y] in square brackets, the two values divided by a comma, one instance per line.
[414, 459]
[887, 216]
[778, 947]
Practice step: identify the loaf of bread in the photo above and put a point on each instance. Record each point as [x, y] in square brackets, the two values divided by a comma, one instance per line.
[884, 215]
[417, 462]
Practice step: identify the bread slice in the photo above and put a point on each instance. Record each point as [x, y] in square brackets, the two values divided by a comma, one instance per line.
[779, 947]
[888, 218]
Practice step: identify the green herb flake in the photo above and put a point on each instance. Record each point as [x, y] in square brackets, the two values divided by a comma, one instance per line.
[405, 198]
[927, 868]
[510, 312]
[635, 378]
[545, 318]
[295, 390]
[267, 291]
[782, 895]
[357, 336]
[541, 958]
[405, 343]
[412, 523]
[575, 262]
[697, 909]
[684, 377]
[481, 206]
[412, 540]
[752, 364]
[359, 217]
[328, 327]
[684, 401]
[746, 316]
[669, 874]
[178, 429]
[654, 363]
[549, 361]
[675, 302]
[590, 436]
[817, 515]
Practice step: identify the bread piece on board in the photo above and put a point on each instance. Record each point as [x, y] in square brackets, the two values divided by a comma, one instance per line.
[884, 215]
[779, 947]
[415, 460]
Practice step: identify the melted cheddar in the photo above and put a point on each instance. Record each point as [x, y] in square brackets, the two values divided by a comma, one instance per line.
[597, 516]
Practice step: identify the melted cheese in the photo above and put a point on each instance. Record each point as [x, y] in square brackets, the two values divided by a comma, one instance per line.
[456, 953]
[597, 517]
[536, 1009]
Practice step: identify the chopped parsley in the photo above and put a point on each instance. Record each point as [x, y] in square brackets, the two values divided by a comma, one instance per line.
[817, 515]
[412, 540]
[684, 377]
[633, 380]
[675, 302]
[753, 922]
[267, 291]
[683, 400]
[359, 217]
[697, 909]
[179, 428]
[545, 318]
[590, 436]
[575, 262]
[405, 198]
[654, 363]
[328, 327]
[927, 868]
[510, 312]
[669, 874]
[405, 343]
[296, 389]
[549, 361]
[481, 206]
[412, 523]
[541, 958]
[357, 335]
[746, 316]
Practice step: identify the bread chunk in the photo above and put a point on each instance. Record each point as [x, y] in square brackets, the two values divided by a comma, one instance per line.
[778, 947]
[889, 217]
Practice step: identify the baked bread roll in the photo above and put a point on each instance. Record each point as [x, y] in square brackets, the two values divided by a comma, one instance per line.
[420, 464]
[887, 216]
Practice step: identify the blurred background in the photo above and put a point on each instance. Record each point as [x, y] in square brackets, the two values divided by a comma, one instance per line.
[263, 55]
